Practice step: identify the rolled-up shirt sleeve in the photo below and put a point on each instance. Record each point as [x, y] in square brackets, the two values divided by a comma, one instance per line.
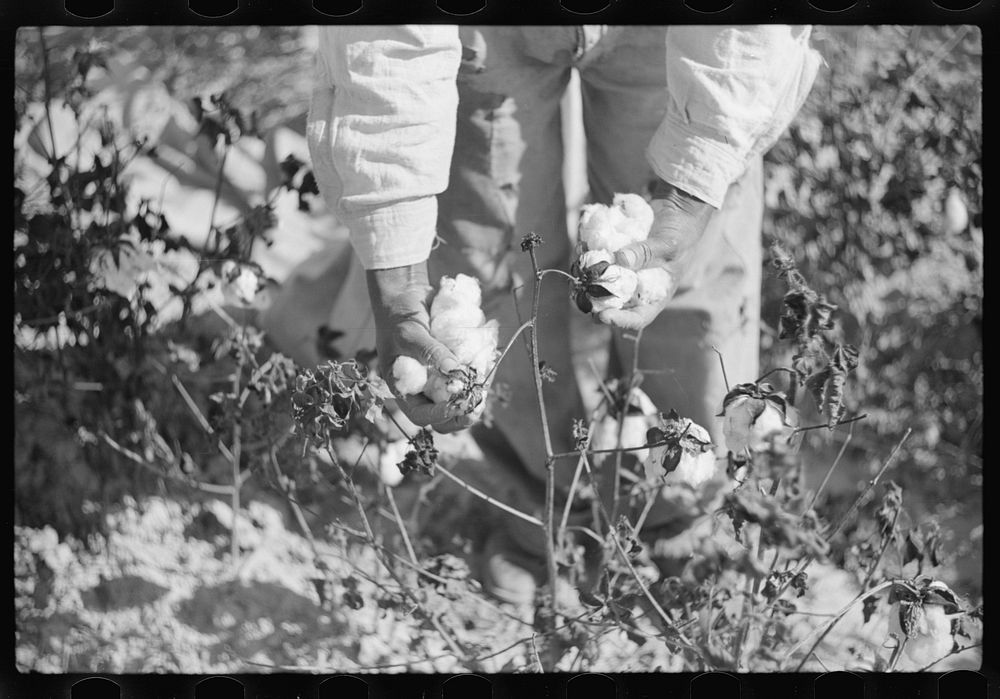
[732, 91]
[381, 131]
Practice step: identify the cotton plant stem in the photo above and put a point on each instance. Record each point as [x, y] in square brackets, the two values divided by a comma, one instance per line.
[550, 485]
[401, 525]
[236, 449]
[668, 622]
[843, 520]
[885, 544]
[826, 628]
[359, 505]
[954, 651]
[139, 461]
[868, 488]
[833, 467]
[617, 477]
[472, 489]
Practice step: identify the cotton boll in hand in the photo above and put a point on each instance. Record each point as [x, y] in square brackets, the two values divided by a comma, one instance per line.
[637, 209]
[653, 285]
[597, 231]
[409, 375]
[460, 291]
[615, 288]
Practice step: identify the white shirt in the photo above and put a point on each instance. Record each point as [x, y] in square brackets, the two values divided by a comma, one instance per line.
[382, 123]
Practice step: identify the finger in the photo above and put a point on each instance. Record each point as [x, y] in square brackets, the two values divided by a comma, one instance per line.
[630, 319]
[645, 253]
[437, 355]
[423, 412]
[455, 424]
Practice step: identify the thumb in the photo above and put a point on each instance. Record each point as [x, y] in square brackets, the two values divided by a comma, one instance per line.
[645, 253]
[436, 354]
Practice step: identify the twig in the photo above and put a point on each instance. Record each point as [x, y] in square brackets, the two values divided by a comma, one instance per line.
[493, 501]
[550, 485]
[237, 450]
[359, 505]
[496, 364]
[722, 364]
[833, 466]
[138, 460]
[635, 575]
[48, 94]
[868, 489]
[881, 551]
[472, 489]
[826, 628]
[401, 525]
[849, 421]
[954, 651]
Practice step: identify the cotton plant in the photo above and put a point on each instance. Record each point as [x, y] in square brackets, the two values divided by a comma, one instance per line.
[920, 617]
[602, 231]
[458, 322]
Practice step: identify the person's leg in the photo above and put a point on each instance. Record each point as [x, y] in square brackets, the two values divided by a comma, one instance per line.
[717, 304]
[506, 182]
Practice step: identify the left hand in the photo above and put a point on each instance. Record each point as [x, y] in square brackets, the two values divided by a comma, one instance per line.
[679, 219]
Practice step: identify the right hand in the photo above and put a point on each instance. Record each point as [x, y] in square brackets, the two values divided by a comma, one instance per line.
[399, 298]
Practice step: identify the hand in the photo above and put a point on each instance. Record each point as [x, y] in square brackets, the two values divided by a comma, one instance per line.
[399, 298]
[679, 219]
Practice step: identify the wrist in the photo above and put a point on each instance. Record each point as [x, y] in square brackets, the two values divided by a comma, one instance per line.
[678, 198]
[387, 285]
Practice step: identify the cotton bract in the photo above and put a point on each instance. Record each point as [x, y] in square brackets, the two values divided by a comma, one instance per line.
[930, 637]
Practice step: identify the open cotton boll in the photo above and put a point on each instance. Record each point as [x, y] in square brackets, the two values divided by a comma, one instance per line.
[460, 291]
[388, 462]
[636, 209]
[642, 415]
[596, 229]
[653, 285]
[450, 326]
[689, 449]
[593, 257]
[621, 282]
[409, 375]
[441, 388]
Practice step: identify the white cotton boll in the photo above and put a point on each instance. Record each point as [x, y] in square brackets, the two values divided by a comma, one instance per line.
[637, 209]
[742, 427]
[956, 214]
[409, 375]
[767, 425]
[596, 229]
[392, 454]
[460, 291]
[694, 468]
[440, 388]
[239, 284]
[653, 285]
[633, 231]
[621, 282]
[450, 327]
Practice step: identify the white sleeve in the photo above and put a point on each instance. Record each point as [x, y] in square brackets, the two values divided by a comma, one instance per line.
[381, 132]
[732, 91]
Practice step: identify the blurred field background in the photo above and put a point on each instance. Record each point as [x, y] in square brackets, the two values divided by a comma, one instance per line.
[876, 190]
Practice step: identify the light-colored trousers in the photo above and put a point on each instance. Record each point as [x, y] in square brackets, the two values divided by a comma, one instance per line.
[506, 181]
